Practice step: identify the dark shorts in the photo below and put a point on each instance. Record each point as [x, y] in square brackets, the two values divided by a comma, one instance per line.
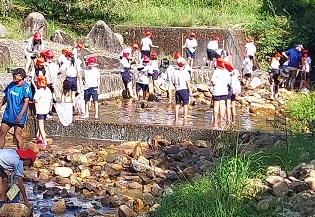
[292, 73]
[219, 98]
[12, 124]
[211, 54]
[70, 83]
[250, 57]
[41, 116]
[182, 96]
[145, 53]
[126, 77]
[144, 87]
[91, 91]
[248, 75]
[51, 88]
[190, 54]
[231, 96]
[307, 74]
[155, 74]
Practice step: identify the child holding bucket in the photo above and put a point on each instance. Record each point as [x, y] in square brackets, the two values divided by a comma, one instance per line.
[43, 102]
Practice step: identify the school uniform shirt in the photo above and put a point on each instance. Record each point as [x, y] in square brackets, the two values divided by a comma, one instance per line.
[221, 79]
[155, 65]
[309, 60]
[275, 64]
[10, 160]
[295, 57]
[169, 74]
[61, 59]
[180, 79]
[32, 46]
[191, 44]
[306, 67]
[235, 82]
[52, 70]
[146, 43]
[250, 49]
[42, 99]
[247, 66]
[124, 63]
[144, 74]
[15, 99]
[91, 77]
[213, 45]
[221, 52]
[70, 69]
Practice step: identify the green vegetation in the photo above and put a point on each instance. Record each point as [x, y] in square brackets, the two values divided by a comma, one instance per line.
[302, 110]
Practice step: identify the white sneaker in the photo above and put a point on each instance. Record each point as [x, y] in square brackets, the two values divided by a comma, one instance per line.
[85, 116]
[96, 117]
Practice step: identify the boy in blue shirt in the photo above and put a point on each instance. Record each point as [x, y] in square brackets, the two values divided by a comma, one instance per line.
[17, 97]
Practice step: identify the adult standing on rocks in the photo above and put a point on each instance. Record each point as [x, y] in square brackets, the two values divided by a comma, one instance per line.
[146, 45]
[17, 96]
[295, 55]
[33, 48]
[14, 160]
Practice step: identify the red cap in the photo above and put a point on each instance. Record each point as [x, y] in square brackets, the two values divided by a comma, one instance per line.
[153, 55]
[37, 36]
[91, 60]
[216, 38]
[27, 154]
[148, 33]
[251, 40]
[229, 66]
[125, 53]
[64, 50]
[305, 51]
[40, 61]
[68, 52]
[303, 58]
[220, 63]
[176, 55]
[42, 53]
[79, 46]
[49, 53]
[192, 34]
[277, 55]
[146, 59]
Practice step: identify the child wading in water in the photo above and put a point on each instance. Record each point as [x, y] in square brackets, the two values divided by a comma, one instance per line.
[43, 102]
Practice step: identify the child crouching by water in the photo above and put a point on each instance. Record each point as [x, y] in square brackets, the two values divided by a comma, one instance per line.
[43, 102]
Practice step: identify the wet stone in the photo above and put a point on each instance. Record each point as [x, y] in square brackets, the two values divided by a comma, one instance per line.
[105, 200]
[125, 211]
[46, 215]
[172, 150]
[70, 206]
[49, 194]
[59, 207]
[203, 152]
[81, 214]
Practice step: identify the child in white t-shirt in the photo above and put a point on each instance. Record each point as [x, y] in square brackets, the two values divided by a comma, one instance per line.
[143, 80]
[305, 73]
[191, 46]
[247, 70]
[43, 102]
[91, 78]
[155, 75]
[274, 76]
[167, 72]
[181, 81]
[146, 45]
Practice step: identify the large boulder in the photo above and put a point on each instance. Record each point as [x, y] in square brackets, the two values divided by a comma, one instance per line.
[104, 61]
[62, 38]
[262, 109]
[35, 22]
[3, 31]
[102, 37]
[5, 58]
[120, 38]
[15, 210]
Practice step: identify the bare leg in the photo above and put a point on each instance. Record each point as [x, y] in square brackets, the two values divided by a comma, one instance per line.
[129, 90]
[87, 107]
[3, 187]
[63, 95]
[228, 110]
[18, 137]
[216, 106]
[28, 64]
[96, 109]
[138, 94]
[169, 93]
[144, 92]
[176, 112]
[185, 113]
[41, 128]
[3, 132]
[222, 112]
[233, 111]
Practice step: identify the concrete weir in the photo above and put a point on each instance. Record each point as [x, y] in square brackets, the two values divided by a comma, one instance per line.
[92, 129]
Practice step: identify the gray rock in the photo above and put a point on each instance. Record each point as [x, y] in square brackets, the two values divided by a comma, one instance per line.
[59, 206]
[5, 58]
[63, 171]
[138, 166]
[298, 186]
[125, 211]
[3, 31]
[102, 37]
[35, 22]
[120, 38]
[202, 143]
[62, 38]
[15, 209]
[263, 205]
[274, 179]
[280, 189]
[203, 152]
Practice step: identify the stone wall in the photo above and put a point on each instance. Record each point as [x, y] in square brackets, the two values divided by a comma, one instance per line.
[171, 39]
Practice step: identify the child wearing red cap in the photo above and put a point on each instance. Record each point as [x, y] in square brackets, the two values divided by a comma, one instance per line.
[250, 51]
[43, 102]
[191, 46]
[91, 79]
[212, 46]
[32, 49]
[305, 73]
[274, 75]
[143, 80]
[220, 80]
[146, 45]
[155, 75]
[125, 67]
[14, 160]
[76, 51]
[247, 70]
[181, 81]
